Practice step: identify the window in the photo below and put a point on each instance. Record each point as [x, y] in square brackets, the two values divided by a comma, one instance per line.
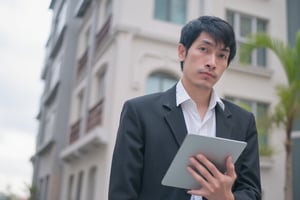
[244, 25]
[101, 85]
[55, 73]
[170, 11]
[80, 103]
[41, 188]
[91, 184]
[108, 8]
[61, 18]
[260, 111]
[158, 82]
[79, 186]
[46, 188]
[49, 125]
[70, 187]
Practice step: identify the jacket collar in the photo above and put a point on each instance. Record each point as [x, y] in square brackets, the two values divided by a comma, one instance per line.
[175, 119]
[174, 115]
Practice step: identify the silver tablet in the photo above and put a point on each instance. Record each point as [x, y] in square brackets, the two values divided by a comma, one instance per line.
[216, 149]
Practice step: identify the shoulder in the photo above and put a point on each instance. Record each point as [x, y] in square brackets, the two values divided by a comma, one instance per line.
[160, 98]
[235, 109]
[145, 99]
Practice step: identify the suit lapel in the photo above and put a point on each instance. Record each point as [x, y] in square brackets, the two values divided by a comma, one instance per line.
[175, 119]
[223, 122]
[174, 116]
[176, 122]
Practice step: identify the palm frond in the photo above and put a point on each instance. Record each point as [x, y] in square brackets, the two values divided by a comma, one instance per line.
[285, 53]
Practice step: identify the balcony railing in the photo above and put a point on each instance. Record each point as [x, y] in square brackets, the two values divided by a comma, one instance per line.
[74, 133]
[95, 116]
[101, 35]
[94, 119]
[81, 7]
[82, 65]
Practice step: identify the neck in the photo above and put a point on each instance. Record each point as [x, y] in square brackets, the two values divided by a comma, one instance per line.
[199, 94]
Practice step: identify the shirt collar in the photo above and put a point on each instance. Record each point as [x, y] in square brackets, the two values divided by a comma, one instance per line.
[182, 96]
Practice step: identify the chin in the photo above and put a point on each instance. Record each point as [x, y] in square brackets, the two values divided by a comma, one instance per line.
[204, 86]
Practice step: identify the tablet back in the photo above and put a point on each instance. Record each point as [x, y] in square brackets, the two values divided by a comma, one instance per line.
[216, 149]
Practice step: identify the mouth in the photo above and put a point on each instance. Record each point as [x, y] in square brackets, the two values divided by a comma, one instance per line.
[211, 75]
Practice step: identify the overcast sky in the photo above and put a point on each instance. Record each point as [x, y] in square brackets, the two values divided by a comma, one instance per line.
[24, 29]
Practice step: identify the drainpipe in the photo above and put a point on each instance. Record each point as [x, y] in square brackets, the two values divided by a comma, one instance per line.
[91, 51]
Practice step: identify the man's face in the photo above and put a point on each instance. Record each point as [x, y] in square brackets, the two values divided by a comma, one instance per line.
[204, 63]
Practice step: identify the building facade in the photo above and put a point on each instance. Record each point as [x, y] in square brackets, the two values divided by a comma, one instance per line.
[55, 101]
[108, 51]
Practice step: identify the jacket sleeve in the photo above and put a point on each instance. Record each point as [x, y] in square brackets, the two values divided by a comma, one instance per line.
[247, 185]
[127, 161]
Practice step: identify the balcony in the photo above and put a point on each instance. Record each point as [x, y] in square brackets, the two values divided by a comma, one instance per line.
[82, 65]
[95, 116]
[50, 94]
[82, 7]
[104, 31]
[74, 133]
[89, 143]
[57, 42]
[94, 120]
[95, 136]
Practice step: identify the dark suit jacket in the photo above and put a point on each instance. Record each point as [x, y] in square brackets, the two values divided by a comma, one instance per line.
[150, 132]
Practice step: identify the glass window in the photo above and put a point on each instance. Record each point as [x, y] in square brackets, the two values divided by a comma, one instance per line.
[260, 111]
[230, 17]
[261, 55]
[70, 187]
[80, 97]
[79, 186]
[170, 11]
[46, 187]
[55, 73]
[61, 18]
[108, 8]
[101, 85]
[91, 184]
[41, 189]
[261, 25]
[158, 82]
[244, 25]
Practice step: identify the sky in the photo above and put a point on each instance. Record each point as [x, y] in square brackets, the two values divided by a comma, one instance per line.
[24, 30]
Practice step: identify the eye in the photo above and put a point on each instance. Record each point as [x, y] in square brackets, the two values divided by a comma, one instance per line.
[223, 56]
[203, 49]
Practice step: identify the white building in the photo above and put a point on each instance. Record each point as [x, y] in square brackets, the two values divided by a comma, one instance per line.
[103, 52]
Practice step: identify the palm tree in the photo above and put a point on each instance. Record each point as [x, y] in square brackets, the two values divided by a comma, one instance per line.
[288, 107]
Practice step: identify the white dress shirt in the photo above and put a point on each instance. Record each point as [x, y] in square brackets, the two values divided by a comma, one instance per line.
[193, 121]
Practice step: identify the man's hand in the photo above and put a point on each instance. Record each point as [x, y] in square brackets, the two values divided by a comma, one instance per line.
[215, 185]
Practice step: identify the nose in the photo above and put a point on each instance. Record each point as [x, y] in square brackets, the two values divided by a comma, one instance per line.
[211, 62]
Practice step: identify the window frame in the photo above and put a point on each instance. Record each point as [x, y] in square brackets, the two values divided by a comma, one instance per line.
[235, 21]
[169, 10]
[161, 77]
[263, 135]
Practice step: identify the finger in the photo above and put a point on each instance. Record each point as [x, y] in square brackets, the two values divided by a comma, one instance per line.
[195, 170]
[209, 166]
[230, 167]
[196, 192]
[202, 170]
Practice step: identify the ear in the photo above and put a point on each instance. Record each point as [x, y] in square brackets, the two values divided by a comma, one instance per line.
[181, 52]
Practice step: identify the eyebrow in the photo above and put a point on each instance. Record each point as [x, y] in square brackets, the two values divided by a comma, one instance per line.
[208, 42]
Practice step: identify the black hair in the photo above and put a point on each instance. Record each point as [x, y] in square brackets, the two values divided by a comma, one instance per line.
[218, 28]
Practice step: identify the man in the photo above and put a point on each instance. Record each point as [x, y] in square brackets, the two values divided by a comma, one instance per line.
[153, 127]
